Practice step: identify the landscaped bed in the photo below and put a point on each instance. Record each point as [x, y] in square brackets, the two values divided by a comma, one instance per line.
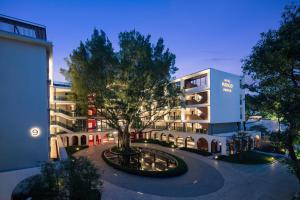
[152, 141]
[178, 170]
[73, 149]
[248, 157]
[197, 151]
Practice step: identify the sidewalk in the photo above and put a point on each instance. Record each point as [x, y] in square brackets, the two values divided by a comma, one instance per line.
[10, 179]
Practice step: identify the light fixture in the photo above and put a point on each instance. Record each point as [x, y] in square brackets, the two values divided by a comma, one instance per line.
[35, 132]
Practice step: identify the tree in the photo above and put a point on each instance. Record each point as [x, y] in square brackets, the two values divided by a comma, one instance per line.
[241, 142]
[131, 87]
[274, 70]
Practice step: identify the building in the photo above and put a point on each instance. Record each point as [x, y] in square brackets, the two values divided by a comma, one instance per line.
[26, 62]
[214, 112]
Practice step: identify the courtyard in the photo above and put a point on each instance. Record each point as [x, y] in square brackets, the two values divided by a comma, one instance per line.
[205, 179]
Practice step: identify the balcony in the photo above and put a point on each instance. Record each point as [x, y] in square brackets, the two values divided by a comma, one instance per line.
[198, 81]
[199, 98]
[195, 117]
[61, 98]
[68, 113]
[174, 117]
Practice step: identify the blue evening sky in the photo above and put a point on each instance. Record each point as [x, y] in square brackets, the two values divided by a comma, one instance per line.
[202, 34]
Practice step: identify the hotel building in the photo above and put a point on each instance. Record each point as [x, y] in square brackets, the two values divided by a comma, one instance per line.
[214, 111]
[26, 62]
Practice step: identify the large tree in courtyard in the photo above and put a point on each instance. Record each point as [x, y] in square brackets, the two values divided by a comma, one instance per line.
[130, 87]
[274, 71]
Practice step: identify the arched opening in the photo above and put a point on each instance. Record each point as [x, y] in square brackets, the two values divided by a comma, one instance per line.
[91, 140]
[171, 138]
[83, 140]
[98, 139]
[202, 144]
[74, 140]
[189, 142]
[215, 146]
[110, 137]
[163, 137]
[104, 138]
[180, 142]
[157, 136]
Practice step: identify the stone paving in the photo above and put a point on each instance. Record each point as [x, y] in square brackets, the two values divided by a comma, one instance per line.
[206, 179]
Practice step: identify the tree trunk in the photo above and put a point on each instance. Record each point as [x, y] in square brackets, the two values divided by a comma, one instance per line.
[126, 140]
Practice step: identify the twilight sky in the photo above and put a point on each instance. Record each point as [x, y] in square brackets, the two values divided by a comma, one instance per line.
[202, 34]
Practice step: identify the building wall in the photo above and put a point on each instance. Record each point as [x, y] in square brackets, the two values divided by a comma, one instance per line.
[23, 103]
[224, 101]
[222, 128]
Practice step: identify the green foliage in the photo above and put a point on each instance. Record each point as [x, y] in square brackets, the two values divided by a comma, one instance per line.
[247, 157]
[273, 69]
[181, 168]
[73, 149]
[70, 179]
[130, 87]
[197, 151]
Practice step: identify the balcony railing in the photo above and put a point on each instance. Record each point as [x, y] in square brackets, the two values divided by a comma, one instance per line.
[61, 98]
[68, 113]
[196, 117]
[71, 128]
[174, 117]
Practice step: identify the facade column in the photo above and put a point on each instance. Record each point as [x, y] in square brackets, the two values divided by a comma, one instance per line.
[209, 145]
[94, 138]
[79, 140]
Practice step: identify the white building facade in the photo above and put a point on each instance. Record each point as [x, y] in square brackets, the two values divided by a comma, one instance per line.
[214, 111]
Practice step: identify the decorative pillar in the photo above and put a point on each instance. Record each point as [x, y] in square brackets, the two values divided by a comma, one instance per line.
[79, 140]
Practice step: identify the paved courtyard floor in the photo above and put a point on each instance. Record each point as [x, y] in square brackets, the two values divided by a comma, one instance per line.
[206, 179]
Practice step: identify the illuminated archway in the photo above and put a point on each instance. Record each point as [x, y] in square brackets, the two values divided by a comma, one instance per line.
[189, 142]
[202, 144]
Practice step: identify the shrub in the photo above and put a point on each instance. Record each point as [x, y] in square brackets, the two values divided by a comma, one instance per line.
[247, 157]
[70, 179]
[197, 151]
[73, 149]
[271, 149]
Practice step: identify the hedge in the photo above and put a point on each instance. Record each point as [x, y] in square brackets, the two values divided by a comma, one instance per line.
[181, 168]
[197, 151]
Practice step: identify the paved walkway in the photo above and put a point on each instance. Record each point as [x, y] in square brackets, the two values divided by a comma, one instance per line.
[206, 179]
[10, 179]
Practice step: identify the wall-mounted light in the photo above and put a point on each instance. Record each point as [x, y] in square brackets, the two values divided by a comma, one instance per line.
[35, 132]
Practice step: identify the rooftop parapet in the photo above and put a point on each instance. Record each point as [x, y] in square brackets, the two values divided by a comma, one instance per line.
[21, 27]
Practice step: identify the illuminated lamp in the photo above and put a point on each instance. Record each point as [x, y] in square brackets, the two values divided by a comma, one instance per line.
[198, 97]
[35, 132]
[257, 137]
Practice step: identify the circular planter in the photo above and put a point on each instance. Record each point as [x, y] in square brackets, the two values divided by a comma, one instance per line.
[179, 169]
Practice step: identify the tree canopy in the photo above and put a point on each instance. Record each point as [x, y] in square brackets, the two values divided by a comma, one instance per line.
[130, 87]
[274, 70]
